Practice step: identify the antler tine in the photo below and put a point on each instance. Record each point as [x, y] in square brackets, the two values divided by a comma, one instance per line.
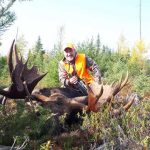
[120, 85]
[125, 81]
[116, 89]
[25, 66]
[16, 55]
[128, 105]
[35, 81]
[100, 94]
[120, 81]
[112, 83]
[10, 63]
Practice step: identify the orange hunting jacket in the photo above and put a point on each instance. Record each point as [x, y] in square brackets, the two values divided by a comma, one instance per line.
[80, 68]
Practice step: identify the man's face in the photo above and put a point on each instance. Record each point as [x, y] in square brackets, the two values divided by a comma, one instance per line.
[69, 54]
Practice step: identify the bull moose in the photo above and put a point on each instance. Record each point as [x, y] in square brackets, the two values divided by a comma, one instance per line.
[24, 80]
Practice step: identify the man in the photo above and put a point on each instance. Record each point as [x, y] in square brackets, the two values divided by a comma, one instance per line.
[74, 70]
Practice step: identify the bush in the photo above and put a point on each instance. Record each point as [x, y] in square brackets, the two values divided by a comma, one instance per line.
[141, 84]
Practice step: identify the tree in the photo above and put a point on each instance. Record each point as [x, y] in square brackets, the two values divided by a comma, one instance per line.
[122, 45]
[7, 17]
[137, 54]
[59, 45]
[98, 44]
[36, 55]
[39, 46]
[4, 76]
[21, 44]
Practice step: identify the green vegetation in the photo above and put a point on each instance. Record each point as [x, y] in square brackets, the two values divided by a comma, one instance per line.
[18, 122]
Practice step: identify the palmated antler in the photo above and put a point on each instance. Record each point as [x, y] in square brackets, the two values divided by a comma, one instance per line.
[108, 93]
[18, 74]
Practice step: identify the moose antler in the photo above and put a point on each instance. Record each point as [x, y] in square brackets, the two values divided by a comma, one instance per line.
[108, 93]
[18, 74]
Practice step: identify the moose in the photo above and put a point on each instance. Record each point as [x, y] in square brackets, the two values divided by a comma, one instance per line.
[61, 100]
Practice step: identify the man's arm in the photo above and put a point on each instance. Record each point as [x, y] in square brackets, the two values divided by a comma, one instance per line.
[93, 67]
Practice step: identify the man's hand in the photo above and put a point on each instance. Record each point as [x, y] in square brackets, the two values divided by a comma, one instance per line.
[73, 80]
